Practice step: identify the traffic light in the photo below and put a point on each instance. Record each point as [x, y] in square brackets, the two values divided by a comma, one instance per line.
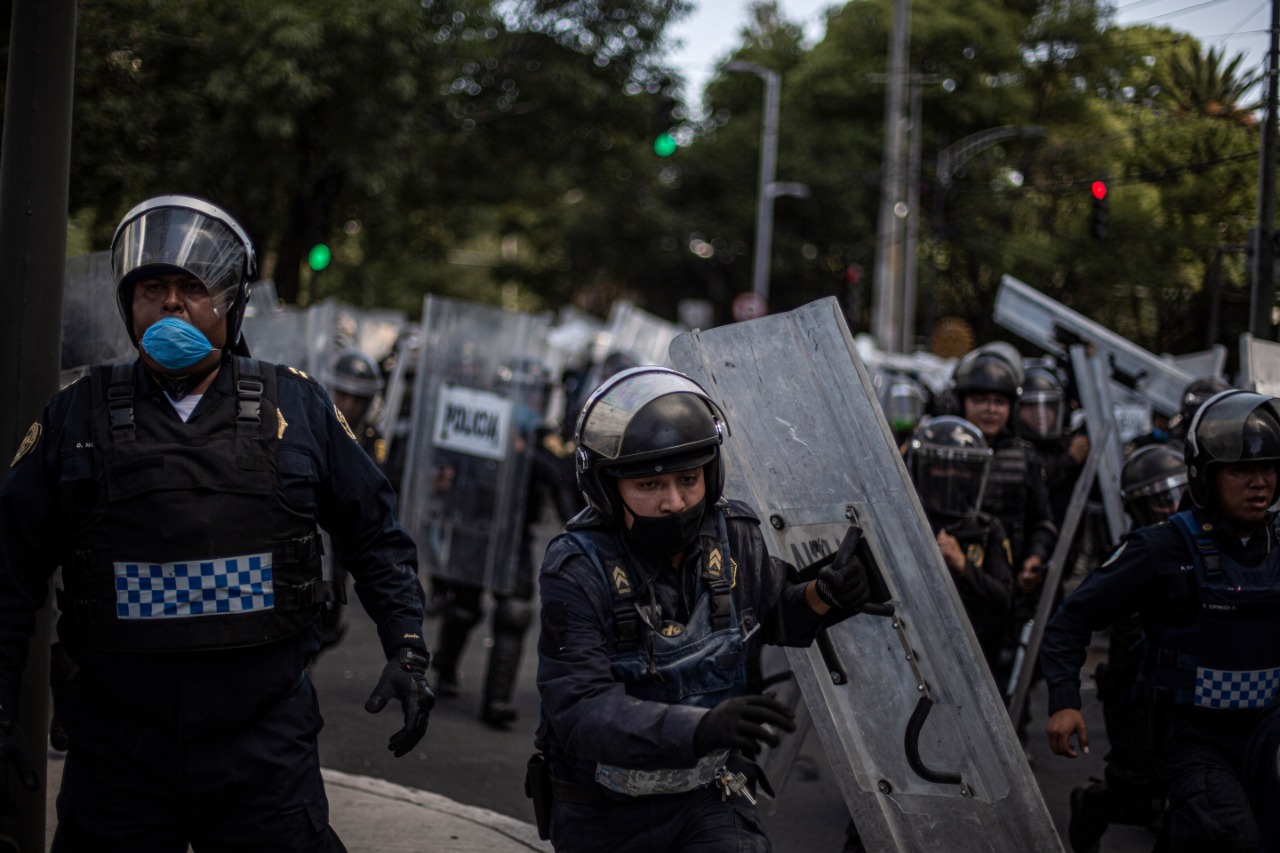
[1101, 209]
[319, 257]
[664, 144]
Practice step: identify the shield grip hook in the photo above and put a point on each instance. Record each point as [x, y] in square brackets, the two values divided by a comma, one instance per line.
[911, 744]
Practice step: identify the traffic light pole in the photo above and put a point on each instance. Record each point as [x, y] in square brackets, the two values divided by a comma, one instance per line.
[1263, 284]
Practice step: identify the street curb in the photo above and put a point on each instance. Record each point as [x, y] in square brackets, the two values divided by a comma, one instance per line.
[518, 831]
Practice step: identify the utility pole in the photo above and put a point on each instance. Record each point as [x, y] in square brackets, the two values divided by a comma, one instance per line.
[35, 166]
[768, 188]
[887, 296]
[1264, 254]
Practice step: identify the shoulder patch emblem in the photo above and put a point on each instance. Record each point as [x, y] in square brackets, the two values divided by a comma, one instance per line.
[29, 442]
[715, 564]
[343, 420]
[296, 372]
[671, 629]
[281, 425]
[976, 554]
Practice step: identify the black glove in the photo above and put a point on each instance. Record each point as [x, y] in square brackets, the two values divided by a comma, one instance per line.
[740, 724]
[13, 750]
[844, 584]
[405, 678]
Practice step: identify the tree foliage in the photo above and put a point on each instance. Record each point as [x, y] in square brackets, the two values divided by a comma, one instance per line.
[501, 151]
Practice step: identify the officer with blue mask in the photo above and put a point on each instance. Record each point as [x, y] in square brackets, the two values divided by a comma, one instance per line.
[181, 495]
[654, 600]
[1206, 586]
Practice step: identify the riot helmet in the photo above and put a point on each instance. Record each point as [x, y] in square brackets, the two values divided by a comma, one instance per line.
[904, 404]
[1041, 407]
[1152, 482]
[181, 233]
[949, 459]
[986, 372]
[642, 422]
[1231, 426]
[357, 374]
[1197, 392]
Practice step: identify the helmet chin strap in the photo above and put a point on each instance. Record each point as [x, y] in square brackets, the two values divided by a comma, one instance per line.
[178, 386]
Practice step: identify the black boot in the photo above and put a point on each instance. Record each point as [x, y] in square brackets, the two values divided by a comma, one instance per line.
[499, 684]
[1089, 810]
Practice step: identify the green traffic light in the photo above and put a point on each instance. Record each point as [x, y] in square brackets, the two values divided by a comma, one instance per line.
[664, 145]
[319, 257]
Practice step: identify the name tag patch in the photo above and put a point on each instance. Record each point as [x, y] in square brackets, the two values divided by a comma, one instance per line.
[196, 588]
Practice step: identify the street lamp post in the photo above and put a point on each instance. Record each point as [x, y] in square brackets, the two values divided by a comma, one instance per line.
[768, 188]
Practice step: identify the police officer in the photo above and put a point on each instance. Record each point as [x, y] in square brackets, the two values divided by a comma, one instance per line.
[653, 601]
[1152, 483]
[1195, 395]
[355, 383]
[1207, 588]
[1041, 420]
[181, 494]
[948, 459]
[987, 387]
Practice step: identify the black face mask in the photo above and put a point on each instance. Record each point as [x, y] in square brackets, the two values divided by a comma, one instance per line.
[663, 536]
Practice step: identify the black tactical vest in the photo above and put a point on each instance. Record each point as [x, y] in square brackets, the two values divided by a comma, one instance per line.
[1006, 492]
[189, 544]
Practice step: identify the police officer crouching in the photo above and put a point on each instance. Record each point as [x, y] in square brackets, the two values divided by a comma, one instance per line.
[1207, 588]
[653, 601]
[181, 493]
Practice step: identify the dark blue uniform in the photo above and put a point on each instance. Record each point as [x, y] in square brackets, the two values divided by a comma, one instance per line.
[217, 745]
[621, 696]
[1210, 609]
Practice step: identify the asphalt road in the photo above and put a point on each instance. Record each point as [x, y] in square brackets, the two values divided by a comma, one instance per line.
[472, 763]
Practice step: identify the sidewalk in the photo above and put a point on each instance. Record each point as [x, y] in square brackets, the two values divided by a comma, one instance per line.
[375, 816]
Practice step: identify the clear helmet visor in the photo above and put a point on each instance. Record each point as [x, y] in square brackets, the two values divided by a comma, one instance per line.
[950, 483]
[1156, 502]
[167, 239]
[1040, 417]
[903, 406]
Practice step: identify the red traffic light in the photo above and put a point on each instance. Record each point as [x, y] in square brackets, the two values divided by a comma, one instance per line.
[1099, 190]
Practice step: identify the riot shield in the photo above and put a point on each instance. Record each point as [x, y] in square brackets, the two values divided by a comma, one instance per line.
[467, 471]
[643, 335]
[908, 714]
[92, 330]
[1259, 365]
[1053, 326]
[277, 335]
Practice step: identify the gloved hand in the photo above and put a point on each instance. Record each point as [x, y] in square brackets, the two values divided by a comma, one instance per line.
[405, 678]
[13, 750]
[740, 724]
[844, 584]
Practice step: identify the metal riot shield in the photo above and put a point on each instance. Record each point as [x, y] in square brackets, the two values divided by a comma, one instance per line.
[1049, 324]
[277, 335]
[643, 336]
[467, 472]
[1259, 365]
[92, 330]
[908, 713]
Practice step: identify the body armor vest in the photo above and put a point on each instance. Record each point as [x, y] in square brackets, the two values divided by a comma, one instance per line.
[1006, 493]
[1228, 654]
[700, 663]
[189, 544]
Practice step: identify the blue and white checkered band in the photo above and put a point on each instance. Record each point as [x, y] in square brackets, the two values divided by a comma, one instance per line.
[197, 588]
[1218, 688]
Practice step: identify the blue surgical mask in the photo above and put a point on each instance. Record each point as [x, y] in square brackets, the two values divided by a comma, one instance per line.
[175, 344]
